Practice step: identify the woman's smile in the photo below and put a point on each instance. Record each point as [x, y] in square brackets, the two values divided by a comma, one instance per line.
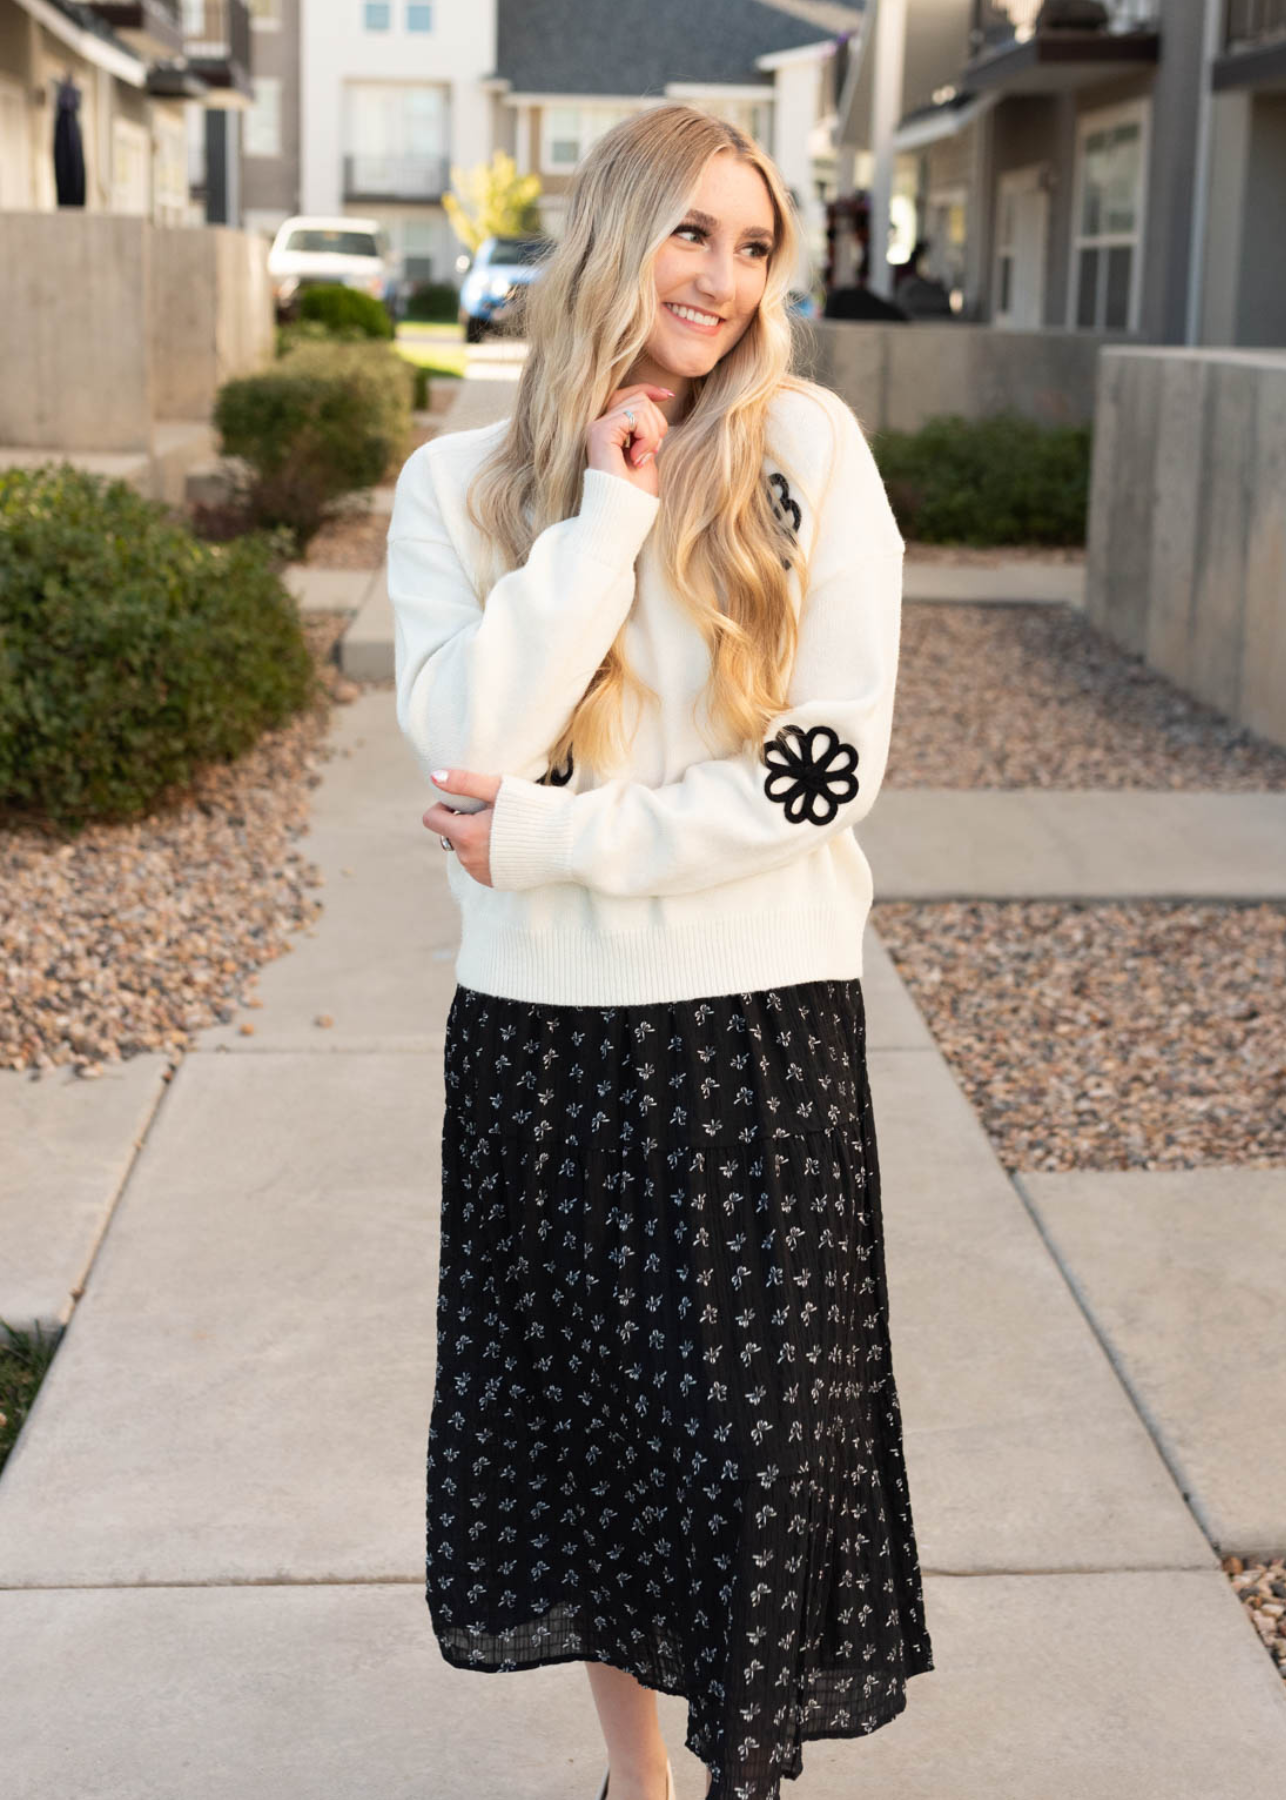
[695, 318]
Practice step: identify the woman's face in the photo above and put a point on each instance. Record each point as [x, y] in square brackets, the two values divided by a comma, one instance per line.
[715, 263]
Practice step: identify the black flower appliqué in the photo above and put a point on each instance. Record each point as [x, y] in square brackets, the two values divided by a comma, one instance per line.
[557, 777]
[785, 506]
[812, 777]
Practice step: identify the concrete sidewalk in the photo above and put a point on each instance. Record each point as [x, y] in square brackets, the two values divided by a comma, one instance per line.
[211, 1532]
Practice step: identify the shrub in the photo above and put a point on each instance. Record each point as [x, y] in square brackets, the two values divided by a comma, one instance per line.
[999, 480]
[131, 653]
[320, 422]
[434, 303]
[345, 311]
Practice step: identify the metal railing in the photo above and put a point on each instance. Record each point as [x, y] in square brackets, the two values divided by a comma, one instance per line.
[1249, 22]
[995, 23]
[395, 177]
[217, 31]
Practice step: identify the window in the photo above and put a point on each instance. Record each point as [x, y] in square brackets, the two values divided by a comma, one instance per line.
[568, 131]
[337, 240]
[377, 15]
[262, 129]
[396, 138]
[1107, 219]
[419, 18]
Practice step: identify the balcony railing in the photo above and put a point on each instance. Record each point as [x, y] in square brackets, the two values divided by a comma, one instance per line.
[216, 41]
[996, 23]
[153, 29]
[1253, 22]
[395, 177]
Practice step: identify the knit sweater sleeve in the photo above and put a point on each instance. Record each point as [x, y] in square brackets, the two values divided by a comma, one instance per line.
[816, 773]
[491, 687]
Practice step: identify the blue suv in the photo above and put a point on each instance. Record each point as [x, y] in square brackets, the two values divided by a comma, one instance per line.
[500, 271]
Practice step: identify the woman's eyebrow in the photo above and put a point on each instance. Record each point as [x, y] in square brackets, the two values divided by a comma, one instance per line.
[711, 224]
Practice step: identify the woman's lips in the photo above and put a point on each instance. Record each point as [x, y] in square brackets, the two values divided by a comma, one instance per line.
[706, 330]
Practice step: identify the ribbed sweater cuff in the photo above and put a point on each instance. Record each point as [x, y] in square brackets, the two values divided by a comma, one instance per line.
[614, 518]
[531, 831]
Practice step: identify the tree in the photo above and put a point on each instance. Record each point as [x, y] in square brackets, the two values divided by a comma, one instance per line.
[498, 201]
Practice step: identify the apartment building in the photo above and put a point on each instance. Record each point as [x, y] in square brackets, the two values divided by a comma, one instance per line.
[270, 128]
[391, 97]
[566, 70]
[1115, 166]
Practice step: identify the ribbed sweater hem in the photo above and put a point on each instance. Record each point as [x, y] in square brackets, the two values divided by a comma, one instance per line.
[730, 953]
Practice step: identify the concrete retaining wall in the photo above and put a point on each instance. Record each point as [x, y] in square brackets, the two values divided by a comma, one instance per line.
[75, 350]
[214, 314]
[112, 323]
[1186, 558]
[896, 377]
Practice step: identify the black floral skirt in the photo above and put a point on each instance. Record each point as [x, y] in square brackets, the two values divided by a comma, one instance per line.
[665, 1432]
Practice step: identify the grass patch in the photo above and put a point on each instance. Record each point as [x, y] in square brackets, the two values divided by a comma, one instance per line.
[25, 1357]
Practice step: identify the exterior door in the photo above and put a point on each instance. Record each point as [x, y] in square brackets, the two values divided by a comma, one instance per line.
[1022, 233]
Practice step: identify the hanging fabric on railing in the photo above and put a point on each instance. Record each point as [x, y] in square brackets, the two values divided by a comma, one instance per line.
[69, 154]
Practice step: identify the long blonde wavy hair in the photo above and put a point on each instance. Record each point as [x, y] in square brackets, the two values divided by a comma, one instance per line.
[588, 315]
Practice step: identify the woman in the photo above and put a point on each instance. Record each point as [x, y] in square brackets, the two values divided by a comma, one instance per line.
[665, 1437]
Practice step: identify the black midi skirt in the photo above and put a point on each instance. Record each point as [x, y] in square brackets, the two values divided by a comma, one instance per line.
[665, 1431]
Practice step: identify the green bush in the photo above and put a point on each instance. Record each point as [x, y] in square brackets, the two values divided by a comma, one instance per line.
[999, 480]
[345, 311]
[321, 422]
[130, 652]
[434, 303]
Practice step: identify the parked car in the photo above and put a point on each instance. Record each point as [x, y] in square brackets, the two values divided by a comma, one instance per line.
[493, 289]
[309, 249]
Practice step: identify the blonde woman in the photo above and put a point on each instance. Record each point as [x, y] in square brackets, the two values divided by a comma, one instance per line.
[646, 646]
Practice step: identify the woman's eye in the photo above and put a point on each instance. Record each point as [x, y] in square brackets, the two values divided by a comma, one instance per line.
[698, 231]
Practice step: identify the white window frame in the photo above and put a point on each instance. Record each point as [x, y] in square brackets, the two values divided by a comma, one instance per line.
[614, 111]
[1138, 110]
[270, 84]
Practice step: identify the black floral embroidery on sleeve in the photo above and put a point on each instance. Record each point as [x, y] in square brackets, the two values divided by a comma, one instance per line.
[812, 777]
[785, 507]
[558, 777]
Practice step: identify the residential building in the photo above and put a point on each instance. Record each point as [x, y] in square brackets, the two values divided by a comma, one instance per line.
[270, 144]
[566, 70]
[392, 97]
[132, 140]
[1111, 166]
[158, 84]
[217, 45]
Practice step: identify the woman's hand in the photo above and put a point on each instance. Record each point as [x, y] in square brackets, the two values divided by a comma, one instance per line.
[469, 832]
[612, 446]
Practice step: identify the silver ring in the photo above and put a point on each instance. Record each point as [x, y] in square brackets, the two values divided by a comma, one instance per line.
[446, 843]
[630, 416]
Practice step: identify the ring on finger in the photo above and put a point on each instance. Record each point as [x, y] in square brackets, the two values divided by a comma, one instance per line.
[446, 843]
[630, 416]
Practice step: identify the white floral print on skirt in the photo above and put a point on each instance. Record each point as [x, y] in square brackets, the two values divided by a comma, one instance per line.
[665, 1431]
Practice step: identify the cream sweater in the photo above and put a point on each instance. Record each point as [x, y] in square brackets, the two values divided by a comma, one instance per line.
[690, 874]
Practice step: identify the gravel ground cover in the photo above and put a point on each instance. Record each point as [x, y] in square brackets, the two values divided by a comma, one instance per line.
[353, 539]
[132, 937]
[1261, 1588]
[1034, 696]
[1142, 1035]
